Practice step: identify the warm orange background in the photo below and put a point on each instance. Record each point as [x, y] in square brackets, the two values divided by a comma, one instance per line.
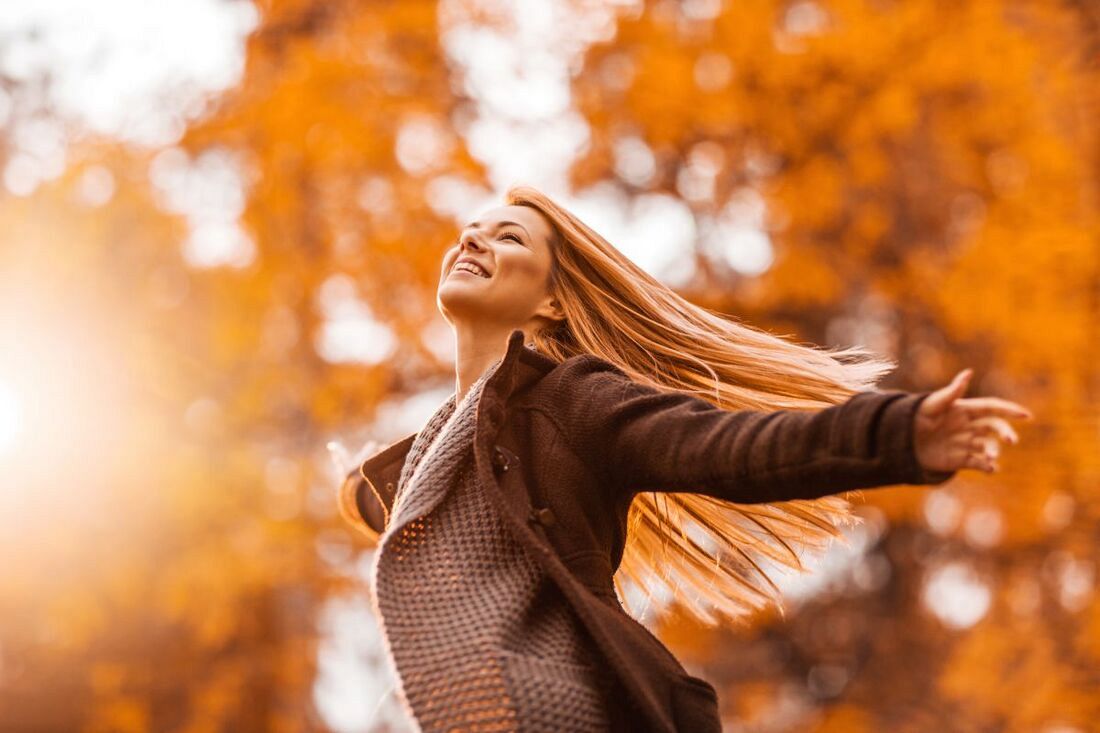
[928, 172]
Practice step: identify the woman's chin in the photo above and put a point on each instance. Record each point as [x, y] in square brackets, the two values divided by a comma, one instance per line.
[460, 297]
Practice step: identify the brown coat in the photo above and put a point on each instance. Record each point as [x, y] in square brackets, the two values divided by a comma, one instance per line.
[563, 448]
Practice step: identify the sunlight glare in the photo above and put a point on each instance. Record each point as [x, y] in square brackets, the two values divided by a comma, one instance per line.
[10, 417]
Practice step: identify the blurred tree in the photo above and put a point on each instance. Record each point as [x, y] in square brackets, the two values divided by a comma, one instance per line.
[205, 317]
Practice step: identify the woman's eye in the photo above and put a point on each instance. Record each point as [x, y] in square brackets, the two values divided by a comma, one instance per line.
[513, 236]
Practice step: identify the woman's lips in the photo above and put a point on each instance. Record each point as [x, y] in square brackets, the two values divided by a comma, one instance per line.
[467, 273]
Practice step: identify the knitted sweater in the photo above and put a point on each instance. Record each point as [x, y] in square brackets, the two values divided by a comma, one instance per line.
[454, 591]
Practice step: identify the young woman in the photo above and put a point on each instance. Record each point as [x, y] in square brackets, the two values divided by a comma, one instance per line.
[603, 429]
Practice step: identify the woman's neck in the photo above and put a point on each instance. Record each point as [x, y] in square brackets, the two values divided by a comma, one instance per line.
[475, 351]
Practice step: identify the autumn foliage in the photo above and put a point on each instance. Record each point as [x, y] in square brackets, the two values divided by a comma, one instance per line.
[926, 175]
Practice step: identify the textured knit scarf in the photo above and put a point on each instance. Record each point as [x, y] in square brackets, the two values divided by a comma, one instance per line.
[480, 639]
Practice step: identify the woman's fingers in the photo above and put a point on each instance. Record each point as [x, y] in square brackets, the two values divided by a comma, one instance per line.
[988, 447]
[993, 406]
[979, 462]
[975, 427]
[938, 402]
[339, 454]
[366, 451]
[996, 426]
[988, 450]
[977, 450]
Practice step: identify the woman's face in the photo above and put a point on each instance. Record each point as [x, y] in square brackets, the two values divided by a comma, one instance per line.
[512, 245]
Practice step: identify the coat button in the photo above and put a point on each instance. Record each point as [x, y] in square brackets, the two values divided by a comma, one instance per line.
[544, 516]
[500, 460]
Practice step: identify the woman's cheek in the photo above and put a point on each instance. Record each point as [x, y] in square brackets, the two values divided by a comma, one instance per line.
[527, 270]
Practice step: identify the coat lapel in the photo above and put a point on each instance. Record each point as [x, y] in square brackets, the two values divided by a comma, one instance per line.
[519, 367]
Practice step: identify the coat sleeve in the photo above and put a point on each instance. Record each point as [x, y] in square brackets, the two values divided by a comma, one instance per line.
[361, 506]
[366, 495]
[640, 438]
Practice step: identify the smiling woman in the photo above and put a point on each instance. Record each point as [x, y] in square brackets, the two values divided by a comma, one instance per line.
[583, 454]
[495, 278]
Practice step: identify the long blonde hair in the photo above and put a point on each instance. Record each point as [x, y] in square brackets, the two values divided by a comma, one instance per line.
[712, 553]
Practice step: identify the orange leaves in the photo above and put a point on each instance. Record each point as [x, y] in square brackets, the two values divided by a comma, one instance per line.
[1018, 686]
[802, 279]
[927, 172]
[814, 193]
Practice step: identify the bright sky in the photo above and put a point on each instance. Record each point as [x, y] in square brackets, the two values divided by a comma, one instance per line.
[128, 68]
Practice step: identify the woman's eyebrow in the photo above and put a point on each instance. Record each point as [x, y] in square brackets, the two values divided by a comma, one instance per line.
[476, 224]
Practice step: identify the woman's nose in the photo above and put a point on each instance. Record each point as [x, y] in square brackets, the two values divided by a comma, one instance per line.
[469, 242]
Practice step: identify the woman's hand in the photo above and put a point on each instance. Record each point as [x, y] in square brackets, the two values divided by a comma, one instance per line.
[952, 432]
[346, 461]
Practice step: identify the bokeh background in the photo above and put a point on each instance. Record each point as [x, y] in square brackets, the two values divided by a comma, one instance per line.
[221, 223]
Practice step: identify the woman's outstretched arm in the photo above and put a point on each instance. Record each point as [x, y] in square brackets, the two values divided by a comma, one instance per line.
[644, 439]
[367, 503]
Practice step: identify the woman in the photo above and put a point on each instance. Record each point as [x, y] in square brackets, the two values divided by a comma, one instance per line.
[603, 429]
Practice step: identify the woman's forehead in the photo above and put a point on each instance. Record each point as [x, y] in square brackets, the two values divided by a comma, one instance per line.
[523, 215]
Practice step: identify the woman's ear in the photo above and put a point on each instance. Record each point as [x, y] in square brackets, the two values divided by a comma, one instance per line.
[551, 308]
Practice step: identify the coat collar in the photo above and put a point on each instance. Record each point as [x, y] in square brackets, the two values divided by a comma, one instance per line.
[520, 366]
